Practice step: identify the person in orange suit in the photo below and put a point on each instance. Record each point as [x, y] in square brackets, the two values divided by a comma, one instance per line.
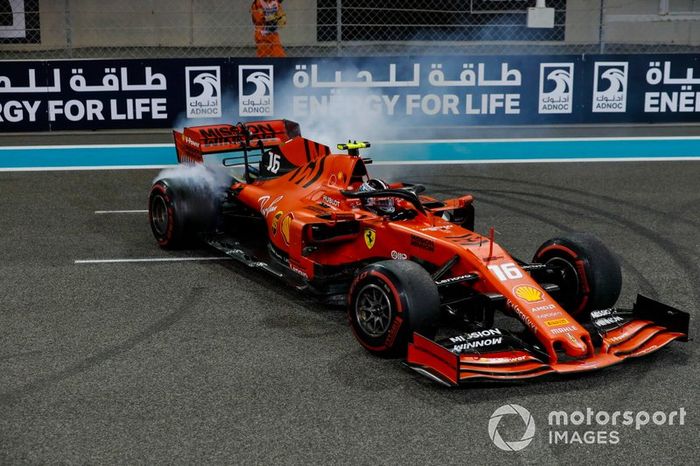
[268, 16]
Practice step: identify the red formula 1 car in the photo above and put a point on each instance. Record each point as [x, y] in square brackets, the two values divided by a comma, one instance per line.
[417, 280]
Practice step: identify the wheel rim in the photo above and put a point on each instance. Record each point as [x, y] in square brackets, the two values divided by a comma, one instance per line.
[373, 310]
[569, 279]
[159, 215]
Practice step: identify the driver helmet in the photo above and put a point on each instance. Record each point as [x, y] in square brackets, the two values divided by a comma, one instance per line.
[381, 204]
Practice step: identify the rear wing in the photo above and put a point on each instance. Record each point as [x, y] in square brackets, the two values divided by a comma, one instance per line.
[192, 144]
[276, 145]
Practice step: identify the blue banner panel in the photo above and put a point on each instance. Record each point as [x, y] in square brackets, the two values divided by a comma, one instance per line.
[429, 92]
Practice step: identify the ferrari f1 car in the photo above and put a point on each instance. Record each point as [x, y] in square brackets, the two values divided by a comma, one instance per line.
[417, 280]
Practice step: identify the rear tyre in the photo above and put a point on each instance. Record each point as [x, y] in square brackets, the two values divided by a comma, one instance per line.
[589, 274]
[388, 301]
[181, 209]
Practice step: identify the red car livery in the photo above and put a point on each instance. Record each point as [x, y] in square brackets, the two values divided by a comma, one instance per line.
[417, 280]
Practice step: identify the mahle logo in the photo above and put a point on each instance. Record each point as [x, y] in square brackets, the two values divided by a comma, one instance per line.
[510, 410]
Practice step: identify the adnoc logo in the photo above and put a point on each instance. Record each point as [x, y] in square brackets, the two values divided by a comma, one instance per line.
[506, 410]
[256, 90]
[203, 88]
[556, 88]
[610, 87]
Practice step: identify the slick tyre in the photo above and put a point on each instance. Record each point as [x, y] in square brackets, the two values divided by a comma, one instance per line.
[179, 210]
[588, 274]
[388, 301]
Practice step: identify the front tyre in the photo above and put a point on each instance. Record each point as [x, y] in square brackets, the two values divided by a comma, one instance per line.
[388, 301]
[588, 274]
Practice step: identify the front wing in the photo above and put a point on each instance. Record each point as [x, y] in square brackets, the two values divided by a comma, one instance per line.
[497, 354]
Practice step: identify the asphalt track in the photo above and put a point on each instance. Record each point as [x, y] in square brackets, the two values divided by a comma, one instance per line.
[207, 361]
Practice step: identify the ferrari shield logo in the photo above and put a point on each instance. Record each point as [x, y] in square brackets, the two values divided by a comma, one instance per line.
[370, 237]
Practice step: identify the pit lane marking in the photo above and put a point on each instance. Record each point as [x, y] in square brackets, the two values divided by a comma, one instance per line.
[99, 212]
[150, 259]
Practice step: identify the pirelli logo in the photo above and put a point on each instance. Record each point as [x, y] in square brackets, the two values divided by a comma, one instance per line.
[556, 322]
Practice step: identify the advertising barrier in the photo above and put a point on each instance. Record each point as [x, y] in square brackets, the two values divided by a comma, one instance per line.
[425, 91]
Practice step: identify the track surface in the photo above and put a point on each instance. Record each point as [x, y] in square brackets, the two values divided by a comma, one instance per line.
[207, 361]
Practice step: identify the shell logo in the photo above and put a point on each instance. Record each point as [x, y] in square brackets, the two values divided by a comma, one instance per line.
[528, 293]
[286, 223]
[276, 220]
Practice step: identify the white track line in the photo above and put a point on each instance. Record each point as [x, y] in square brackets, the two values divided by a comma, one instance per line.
[535, 139]
[81, 168]
[379, 162]
[98, 212]
[150, 259]
[86, 146]
[387, 141]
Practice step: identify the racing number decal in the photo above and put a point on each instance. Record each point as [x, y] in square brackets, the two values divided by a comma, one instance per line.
[273, 164]
[370, 237]
[507, 271]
